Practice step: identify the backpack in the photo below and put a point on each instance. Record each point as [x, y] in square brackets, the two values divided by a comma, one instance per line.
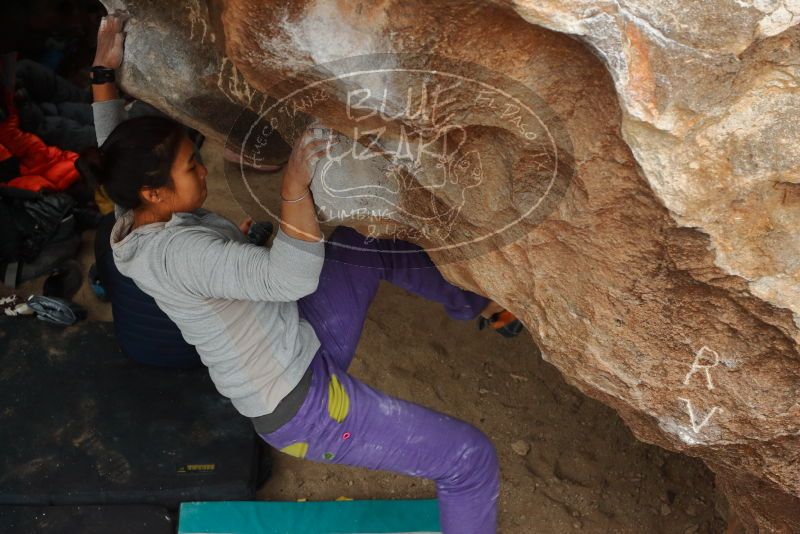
[37, 232]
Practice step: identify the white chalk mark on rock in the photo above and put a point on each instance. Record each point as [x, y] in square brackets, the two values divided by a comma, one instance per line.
[197, 15]
[693, 420]
[233, 85]
[704, 360]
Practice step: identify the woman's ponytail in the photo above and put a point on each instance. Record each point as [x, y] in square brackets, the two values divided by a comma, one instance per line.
[91, 166]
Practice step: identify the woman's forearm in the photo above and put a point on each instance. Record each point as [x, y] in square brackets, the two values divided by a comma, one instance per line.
[105, 91]
[299, 219]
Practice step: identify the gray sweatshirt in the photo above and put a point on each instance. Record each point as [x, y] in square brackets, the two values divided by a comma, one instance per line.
[235, 302]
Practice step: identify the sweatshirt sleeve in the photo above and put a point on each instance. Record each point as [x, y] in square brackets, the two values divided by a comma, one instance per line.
[206, 264]
[107, 116]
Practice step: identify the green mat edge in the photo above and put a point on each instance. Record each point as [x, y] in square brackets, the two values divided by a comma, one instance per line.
[315, 517]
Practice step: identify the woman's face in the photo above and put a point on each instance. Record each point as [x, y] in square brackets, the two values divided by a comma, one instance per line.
[188, 189]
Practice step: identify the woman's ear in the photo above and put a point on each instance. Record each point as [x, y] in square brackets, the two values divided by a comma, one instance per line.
[151, 195]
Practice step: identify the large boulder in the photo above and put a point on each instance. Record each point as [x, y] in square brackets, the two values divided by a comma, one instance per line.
[625, 178]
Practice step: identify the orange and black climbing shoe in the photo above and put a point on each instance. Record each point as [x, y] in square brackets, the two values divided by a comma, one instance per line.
[503, 322]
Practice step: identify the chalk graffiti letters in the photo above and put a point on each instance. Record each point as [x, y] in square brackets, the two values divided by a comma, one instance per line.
[233, 85]
[197, 16]
[693, 419]
[704, 360]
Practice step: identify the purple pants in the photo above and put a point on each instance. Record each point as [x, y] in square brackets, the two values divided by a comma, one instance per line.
[344, 421]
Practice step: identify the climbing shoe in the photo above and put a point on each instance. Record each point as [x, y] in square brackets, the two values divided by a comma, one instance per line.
[503, 322]
[96, 284]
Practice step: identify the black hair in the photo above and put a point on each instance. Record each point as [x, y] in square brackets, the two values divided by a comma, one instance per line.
[137, 154]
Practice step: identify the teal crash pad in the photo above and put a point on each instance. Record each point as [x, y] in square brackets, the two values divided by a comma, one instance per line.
[328, 517]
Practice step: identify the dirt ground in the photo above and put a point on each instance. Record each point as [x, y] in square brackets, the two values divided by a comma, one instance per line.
[568, 463]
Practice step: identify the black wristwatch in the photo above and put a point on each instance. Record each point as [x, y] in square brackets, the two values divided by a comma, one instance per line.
[102, 74]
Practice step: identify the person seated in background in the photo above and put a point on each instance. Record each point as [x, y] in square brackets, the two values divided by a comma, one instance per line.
[45, 45]
[53, 108]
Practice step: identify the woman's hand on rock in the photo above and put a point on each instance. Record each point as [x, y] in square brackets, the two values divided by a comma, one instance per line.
[110, 39]
[306, 151]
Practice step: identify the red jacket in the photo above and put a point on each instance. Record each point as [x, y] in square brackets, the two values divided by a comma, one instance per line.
[42, 167]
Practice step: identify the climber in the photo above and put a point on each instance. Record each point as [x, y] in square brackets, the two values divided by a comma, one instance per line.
[278, 327]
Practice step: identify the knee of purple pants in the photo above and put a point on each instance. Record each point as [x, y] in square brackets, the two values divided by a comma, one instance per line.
[468, 494]
[476, 465]
[475, 305]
